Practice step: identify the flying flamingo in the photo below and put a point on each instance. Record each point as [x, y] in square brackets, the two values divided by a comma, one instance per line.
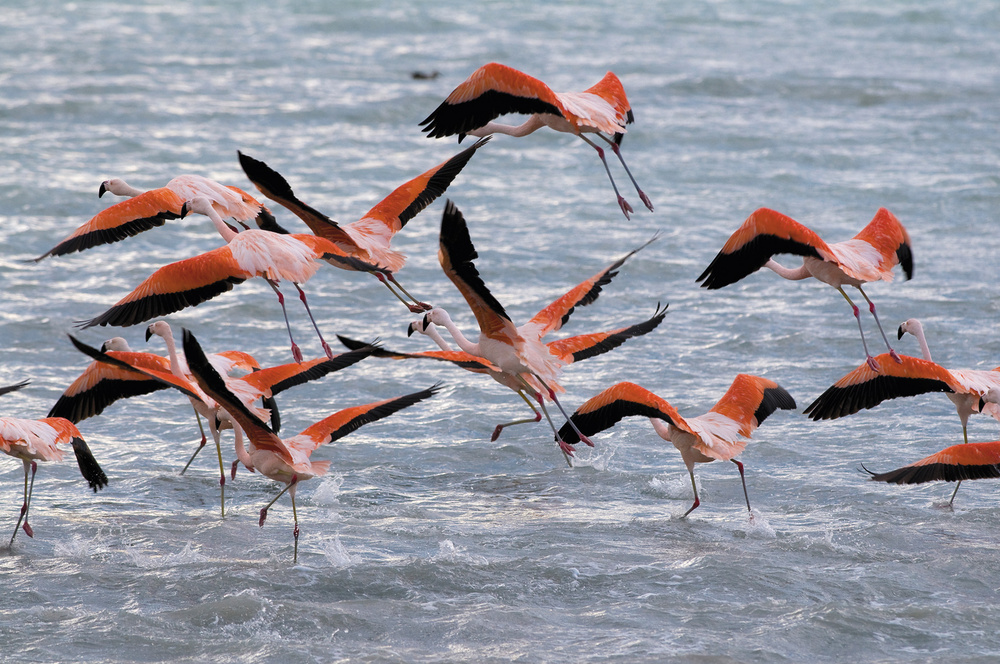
[869, 256]
[287, 461]
[529, 366]
[965, 461]
[147, 209]
[368, 238]
[37, 440]
[494, 90]
[864, 388]
[252, 253]
[720, 434]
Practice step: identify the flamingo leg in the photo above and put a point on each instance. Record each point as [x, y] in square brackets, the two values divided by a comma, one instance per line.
[618, 153]
[622, 203]
[695, 487]
[536, 418]
[564, 447]
[33, 466]
[263, 510]
[326, 348]
[744, 480]
[857, 316]
[295, 518]
[417, 306]
[552, 397]
[214, 428]
[871, 308]
[296, 353]
[204, 439]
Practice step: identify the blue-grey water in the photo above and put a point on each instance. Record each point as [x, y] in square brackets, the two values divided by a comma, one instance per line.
[427, 542]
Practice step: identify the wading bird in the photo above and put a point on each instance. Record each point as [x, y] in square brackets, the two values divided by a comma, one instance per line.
[720, 434]
[494, 90]
[965, 461]
[368, 238]
[147, 209]
[32, 441]
[518, 356]
[869, 256]
[252, 253]
[287, 461]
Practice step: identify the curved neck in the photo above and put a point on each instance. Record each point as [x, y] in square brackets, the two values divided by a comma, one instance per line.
[203, 205]
[791, 274]
[445, 320]
[241, 451]
[119, 187]
[916, 329]
[431, 331]
[175, 362]
[660, 427]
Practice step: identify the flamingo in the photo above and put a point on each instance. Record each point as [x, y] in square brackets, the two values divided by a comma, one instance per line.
[37, 440]
[368, 238]
[252, 253]
[527, 364]
[965, 461]
[869, 256]
[147, 209]
[721, 433]
[864, 388]
[494, 90]
[287, 461]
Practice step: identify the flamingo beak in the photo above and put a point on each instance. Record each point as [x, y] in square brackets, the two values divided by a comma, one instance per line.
[185, 209]
[149, 332]
[899, 332]
[411, 329]
[103, 190]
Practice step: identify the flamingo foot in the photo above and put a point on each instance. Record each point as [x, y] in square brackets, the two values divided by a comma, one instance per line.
[586, 440]
[263, 516]
[27, 530]
[418, 308]
[496, 433]
[326, 349]
[296, 353]
[232, 472]
[624, 205]
[872, 364]
[895, 356]
[692, 508]
[645, 200]
[565, 447]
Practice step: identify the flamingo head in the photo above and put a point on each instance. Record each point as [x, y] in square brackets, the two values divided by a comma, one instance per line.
[115, 343]
[160, 328]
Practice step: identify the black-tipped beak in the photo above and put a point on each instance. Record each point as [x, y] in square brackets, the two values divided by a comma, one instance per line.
[103, 190]
[411, 329]
[461, 137]
[982, 403]
[184, 210]
[899, 332]
[149, 332]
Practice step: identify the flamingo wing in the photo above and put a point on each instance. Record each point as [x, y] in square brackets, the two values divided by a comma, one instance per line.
[750, 400]
[890, 240]
[13, 388]
[276, 380]
[584, 346]
[489, 92]
[175, 286]
[130, 217]
[345, 421]
[85, 461]
[274, 186]
[864, 388]
[99, 386]
[136, 362]
[457, 357]
[764, 234]
[965, 461]
[615, 403]
[554, 316]
[611, 90]
[456, 254]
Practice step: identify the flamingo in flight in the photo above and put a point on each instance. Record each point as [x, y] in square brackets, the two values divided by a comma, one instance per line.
[148, 209]
[869, 256]
[528, 365]
[720, 434]
[32, 441]
[368, 238]
[965, 461]
[864, 388]
[252, 253]
[494, 90]
[287, 460]
[260, 384]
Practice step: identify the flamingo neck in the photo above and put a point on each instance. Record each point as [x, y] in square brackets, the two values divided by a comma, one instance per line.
[175, 361]
[661, 428]
[916, 329]
[241, 451]
[792, 274]
[119, 187]
[431, 331]
[529, 126]
[456, 334]
[203, 205]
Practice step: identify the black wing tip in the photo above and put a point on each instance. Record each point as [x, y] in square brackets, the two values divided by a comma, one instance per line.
[904, 253]
[89, 468]
[15, 387]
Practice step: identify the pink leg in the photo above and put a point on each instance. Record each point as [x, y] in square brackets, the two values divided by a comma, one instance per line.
[743, 479]
[622, 203]
[871, 308]
[872, 363]
[296, 353]
[618, 153]
[322, 341]
[23, 517]
[695, 487]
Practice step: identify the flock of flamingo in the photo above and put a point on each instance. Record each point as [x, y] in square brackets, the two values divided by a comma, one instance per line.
[230, 390]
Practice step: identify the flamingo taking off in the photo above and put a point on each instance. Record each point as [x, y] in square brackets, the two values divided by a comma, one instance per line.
[527, 364]
[252, 253]
[148, 209]
[32, 441]
[494, 90]
[965, 461]
[720, 434]
[869, 256]
[287, 461]
[368, 238]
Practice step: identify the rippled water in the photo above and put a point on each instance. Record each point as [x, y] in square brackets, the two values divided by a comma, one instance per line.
[427, 542]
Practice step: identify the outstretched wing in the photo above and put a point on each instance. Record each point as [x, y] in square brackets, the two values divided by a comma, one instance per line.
[764, 234]
[345, 421]
[615, 403]
[99, 386]
[457, 357]
[965, 461]
[280, 378]
[555, 315]
[489, 92]
[584, 346]
[140, 363]
[130, 217]
[456, 254]
[864, 388]
[175, 286]
[85, 461]
[13, 388]
[890, 240]
[750, 400]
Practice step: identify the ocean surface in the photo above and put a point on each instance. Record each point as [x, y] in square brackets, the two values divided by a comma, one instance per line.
[426, 542]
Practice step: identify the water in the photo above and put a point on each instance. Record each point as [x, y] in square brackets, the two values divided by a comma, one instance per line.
[427, 542]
